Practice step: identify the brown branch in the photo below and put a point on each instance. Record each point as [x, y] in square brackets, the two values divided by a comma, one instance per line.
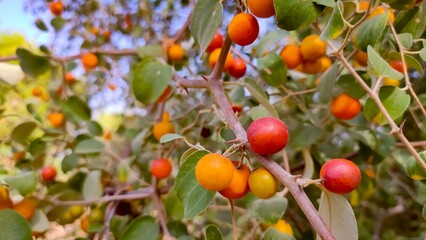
[137, 194]
[161, 212]
[418, 144]
[289, 181]
[8, 59]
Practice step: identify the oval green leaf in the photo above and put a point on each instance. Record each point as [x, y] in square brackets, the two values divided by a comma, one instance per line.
[270, 210]
[21, 132]
[170, 137]
[292, 15]
[272, 69]
[411, 21]
[413, 169]
[260, 95]
[150, 79]
[369, 32]
[206, 20]
[76, 109]
[334, 26]
[212, 232]
[69, 162]
[92, 186]
[25, 183]
[143, 227]
[39, 222]
[381, 67]
[395, 100]
[194, 197]
[89, 146]
[32, 64]
[13, 226]
[338, 215]
[94, 128]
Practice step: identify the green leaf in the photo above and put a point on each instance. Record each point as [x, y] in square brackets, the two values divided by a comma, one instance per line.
[411, 21]
[350, 86]
[270, 210]
[76, 109]
[304, 136]
[150, 79]
[272, 234]
[338, 216]
[194, 197]
[212, 232]
[206, 19]
[259, 112]
[272, 69]
[326, 85]
[186, 154]
[57, 23]
[142, 227]
[92, 186]
[267, 43]
[94, 128]
[292, 15]
[37, 147]
[370, 31]
[395, 100]
[69, 162]
[13, 226]
[381, 67]
[334, 26]
[151, 50]
[406, 39]
[25, 183]
[32, 64]
[39, 222]
[21, 132]
[413, 169]
[40, 25]
[177, 228]
[259, 95]
[89, 146]
[170, 137]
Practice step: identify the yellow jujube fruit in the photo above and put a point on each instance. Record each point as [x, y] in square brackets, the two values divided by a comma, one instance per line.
[163, 127]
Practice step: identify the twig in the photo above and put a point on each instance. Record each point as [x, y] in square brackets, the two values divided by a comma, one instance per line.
[137, 194]
[234, 225]
[408, 84]
[395, 129]
[161, 213]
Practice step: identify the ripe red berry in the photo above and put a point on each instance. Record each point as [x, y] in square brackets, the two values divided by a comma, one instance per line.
[161, 168]
[267, 135]
[48, 173]
[340, 175]
[238, 68]
[216, 42]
